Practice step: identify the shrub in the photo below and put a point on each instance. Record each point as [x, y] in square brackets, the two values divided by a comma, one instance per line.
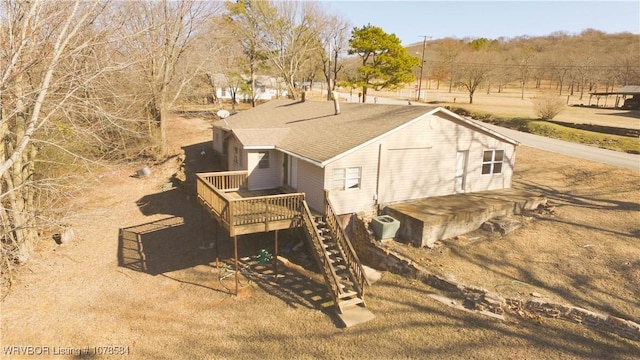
[548, 106]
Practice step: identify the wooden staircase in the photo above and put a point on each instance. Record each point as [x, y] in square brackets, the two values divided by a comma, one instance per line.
[332, 250]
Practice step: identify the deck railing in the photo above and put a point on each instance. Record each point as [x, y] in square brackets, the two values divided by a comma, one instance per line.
[226, 180]
[249, 214]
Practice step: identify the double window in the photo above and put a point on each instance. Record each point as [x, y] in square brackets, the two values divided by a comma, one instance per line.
[346, 178]
[492, 162]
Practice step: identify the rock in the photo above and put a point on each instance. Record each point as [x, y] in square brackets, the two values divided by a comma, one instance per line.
[65, 236]
[504, 225]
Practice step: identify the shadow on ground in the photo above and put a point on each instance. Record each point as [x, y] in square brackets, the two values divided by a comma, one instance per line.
[181, 239]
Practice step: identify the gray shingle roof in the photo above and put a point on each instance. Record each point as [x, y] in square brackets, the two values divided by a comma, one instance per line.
[312, 130]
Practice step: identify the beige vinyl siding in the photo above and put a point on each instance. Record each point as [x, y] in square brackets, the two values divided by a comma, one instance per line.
[310, 182]
[361, 199]
[420, 160]
[478, 182]
[263, 178]
[241, 164]
[409, 164]
[218, 140]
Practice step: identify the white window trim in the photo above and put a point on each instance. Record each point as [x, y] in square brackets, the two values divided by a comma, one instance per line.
[492, 162]
[344, 177]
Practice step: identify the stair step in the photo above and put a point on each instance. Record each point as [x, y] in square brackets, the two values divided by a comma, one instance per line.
[347, 294]
[344, 275]
[351, 302]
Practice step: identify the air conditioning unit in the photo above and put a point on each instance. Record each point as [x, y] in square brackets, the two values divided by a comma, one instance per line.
[385, 227]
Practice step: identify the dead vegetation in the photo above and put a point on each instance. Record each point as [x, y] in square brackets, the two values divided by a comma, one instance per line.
[167, 299]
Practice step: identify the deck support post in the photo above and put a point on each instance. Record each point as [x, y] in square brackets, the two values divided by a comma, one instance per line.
[235, 255]
[275, 256]
[202, 225]
[216, 231]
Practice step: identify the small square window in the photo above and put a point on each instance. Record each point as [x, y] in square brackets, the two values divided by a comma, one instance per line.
[492, 162]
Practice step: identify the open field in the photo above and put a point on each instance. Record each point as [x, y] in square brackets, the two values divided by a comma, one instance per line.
[168, 302]
[509, 104]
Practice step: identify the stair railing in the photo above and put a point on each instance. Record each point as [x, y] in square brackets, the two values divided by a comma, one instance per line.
[350, 256]
[322, 259]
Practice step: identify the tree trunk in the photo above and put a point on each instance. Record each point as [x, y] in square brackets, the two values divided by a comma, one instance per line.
[18, 201]
[252, 73]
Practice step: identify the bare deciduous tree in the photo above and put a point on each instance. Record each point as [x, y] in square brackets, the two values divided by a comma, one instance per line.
[245, 21]
[334, 39]
[473, 72]
[159, 33]
[292, 38]
[46, 69]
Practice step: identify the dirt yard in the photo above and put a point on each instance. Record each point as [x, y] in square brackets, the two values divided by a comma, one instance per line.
[100, 295]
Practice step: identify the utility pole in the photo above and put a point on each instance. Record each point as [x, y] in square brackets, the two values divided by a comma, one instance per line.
[424, 45]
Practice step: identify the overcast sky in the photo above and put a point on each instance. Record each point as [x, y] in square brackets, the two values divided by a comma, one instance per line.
[490, 19]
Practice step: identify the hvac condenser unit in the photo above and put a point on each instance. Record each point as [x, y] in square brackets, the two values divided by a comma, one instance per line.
[384, 227]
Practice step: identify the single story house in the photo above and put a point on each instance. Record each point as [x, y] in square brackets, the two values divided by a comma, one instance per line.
[267, 87]
[363, 155]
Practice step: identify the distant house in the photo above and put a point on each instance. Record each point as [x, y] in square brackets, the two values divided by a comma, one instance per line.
[267, 87]
[365, 156]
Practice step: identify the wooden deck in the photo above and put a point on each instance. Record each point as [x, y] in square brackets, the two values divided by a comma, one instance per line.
[241, 211]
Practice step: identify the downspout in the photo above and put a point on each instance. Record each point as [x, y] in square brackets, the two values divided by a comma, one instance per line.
[376, 196]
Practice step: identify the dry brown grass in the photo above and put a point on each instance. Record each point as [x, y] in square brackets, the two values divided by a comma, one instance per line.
[583, 253]
[509, 104]
[87, 294]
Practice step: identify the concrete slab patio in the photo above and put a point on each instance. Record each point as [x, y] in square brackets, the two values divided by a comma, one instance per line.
[425, 221]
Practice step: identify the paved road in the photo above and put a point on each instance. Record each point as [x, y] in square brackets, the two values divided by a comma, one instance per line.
[615, 158]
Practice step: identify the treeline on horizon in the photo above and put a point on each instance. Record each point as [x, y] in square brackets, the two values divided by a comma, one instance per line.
[591, 60]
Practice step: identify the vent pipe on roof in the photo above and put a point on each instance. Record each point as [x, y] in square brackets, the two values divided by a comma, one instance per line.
[303, 96]
[336, 103]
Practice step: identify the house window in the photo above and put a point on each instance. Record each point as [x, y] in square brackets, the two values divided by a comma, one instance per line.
[263, 160]
[492, 162]
[346, 178]
[237, 156]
